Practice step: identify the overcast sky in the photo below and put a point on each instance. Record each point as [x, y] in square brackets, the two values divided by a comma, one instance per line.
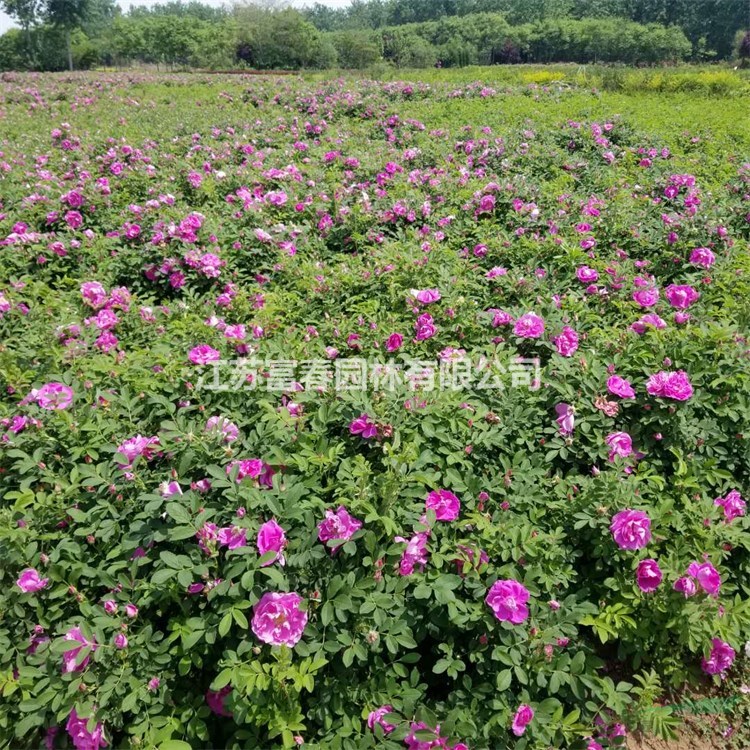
[6, 23]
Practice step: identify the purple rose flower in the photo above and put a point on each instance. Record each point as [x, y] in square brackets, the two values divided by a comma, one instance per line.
[733, 505]
[618, 386]
[29, 581]
[674, 385]
[721, 657]
[648, 575]
[565, 418]
[620, 444]
[424, 327]
[71, 662]
[271, 538]
[203, 354]
[82, 738]
[278, 619]
[507, 599]
[567, 342]
[363, 426]
[338, 525]
[529, 326]
[631, 529]
[376, 717]
[681, 296]
[445, 504]
[523, 716]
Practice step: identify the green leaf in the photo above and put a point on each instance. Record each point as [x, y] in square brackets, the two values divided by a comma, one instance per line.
[239, 618]
[503, 680]
[163, 575]
[225, 624]
[178, 513]
[171, 559]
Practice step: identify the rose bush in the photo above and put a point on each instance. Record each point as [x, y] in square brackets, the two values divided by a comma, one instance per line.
[456, 549]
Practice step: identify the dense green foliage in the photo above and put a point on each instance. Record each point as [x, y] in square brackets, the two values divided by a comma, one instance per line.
[709, 24]
[57, 34]
[290, 220]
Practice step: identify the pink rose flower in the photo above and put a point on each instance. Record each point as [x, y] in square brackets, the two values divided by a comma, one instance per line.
[631, 529]
[486, 204]
[685, 586]
[339, 526]
[733, 505]
[376, 717]
[507, 599]
[216, 701]
[232, 537]
[271, 538]
[618, 386]
[426, 296]
[54, 396]
[424, 327]
[703, 257]
[445, 504]
[620, 444]
[203, 354]
[675, 385]
[93, 294]
[566, 342]
[529, 326]
[586, 275]
[207, 536]
[415, 554]
[681, 296]
[394, 342]
[500, 318]
[278, 619]
[651, 319]
[363, 426]
[721, 657]
[648, 575]
[707, 576]
[82, 738]
[646, 297]
[170, 489]
[29, 581]
[73, 219]
[565, 418]
[121, 641]
[70, 657]
[524, 715]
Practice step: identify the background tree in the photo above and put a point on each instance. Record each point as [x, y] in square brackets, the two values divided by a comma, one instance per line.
[67, 15]
[743, 48]
[28, 14]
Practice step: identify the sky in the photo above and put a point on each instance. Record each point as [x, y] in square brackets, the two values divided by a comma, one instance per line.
[6, 22]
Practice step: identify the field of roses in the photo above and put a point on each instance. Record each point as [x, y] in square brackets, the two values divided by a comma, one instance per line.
[360, 414]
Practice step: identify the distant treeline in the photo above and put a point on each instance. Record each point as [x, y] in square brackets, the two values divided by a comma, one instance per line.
[57, 34]
[710, 25]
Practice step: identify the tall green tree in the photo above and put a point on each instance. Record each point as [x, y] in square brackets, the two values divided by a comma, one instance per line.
[68, 15]
[27, 13]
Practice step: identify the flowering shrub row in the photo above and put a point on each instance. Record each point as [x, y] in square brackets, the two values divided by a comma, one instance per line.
[520, 523]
